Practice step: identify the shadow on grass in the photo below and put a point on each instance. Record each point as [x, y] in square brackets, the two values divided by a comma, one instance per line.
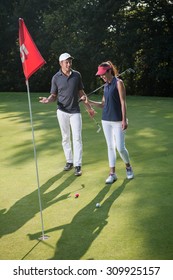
[30, 250]
[28, 206]
[85, 227]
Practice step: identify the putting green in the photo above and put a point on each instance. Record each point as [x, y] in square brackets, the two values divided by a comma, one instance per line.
[135, 217]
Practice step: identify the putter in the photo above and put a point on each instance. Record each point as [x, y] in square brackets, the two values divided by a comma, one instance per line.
[129, 70]
[99, 127]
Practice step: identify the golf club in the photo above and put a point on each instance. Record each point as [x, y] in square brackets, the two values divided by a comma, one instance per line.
[129, 70]
[99, 127]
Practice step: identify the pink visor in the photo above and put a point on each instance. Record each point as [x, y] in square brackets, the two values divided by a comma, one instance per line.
[102, 70]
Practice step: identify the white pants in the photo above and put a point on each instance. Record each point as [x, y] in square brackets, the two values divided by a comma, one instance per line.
[73, 121]
[115, 139]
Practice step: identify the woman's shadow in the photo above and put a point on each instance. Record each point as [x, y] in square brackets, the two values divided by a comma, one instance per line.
[85, 227]
[28, 206]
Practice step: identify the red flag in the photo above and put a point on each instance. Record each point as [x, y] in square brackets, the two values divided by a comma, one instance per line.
[30, 55]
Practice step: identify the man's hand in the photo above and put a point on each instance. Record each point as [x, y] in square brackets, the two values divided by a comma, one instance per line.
[43, 100]
[52, 97]
[83, 98]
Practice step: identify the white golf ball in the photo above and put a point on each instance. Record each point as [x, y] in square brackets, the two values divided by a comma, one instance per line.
[97, 205]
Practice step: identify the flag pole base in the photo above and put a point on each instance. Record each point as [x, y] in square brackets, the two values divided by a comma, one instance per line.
[43, 237]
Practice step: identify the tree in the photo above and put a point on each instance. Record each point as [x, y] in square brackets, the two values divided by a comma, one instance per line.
[144, 32]
[136, 34]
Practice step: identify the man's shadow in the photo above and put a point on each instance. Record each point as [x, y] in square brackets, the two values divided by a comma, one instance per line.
[85, 227]
[28, 206]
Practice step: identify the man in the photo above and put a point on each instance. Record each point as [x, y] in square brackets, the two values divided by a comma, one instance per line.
[67, 88]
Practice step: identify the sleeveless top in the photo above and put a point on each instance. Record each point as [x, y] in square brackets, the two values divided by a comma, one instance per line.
[112, 107]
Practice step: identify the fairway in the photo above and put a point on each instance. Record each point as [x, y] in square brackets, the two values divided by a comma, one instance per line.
[134, 221]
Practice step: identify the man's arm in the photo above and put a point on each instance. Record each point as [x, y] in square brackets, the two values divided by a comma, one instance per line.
[52, 97]
[83, 97]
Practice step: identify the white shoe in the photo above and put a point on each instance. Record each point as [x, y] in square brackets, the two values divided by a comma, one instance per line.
[129, 172]
[111, 179]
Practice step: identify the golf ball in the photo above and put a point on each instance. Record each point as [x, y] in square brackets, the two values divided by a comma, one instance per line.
[97, 205]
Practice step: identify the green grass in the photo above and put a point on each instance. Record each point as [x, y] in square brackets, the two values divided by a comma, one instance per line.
[135, 217]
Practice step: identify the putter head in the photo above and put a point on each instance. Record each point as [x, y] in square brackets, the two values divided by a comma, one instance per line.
[131, 70]
[99, 128]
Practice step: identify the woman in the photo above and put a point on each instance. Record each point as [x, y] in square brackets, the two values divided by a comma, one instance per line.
[114, 120]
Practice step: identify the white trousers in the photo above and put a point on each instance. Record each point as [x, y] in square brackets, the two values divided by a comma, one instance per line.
[115, 139]
[71, 123]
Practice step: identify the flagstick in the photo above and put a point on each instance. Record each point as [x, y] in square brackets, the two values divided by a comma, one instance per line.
[43, 237]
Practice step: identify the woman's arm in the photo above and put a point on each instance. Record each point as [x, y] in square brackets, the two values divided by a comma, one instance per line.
[97, 103]
[122, 94]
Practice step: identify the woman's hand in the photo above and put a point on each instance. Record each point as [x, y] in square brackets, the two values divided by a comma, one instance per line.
[91, 112]
[124, 124]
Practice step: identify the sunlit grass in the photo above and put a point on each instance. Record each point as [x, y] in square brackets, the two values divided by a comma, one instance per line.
[134, 220]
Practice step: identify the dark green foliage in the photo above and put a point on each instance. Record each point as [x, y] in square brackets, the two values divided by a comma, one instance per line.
[136, 34]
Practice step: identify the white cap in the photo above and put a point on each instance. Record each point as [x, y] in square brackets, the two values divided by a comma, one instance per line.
[65, 56]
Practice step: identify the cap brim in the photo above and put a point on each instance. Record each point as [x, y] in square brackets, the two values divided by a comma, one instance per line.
[65, 58]
[102, 70]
